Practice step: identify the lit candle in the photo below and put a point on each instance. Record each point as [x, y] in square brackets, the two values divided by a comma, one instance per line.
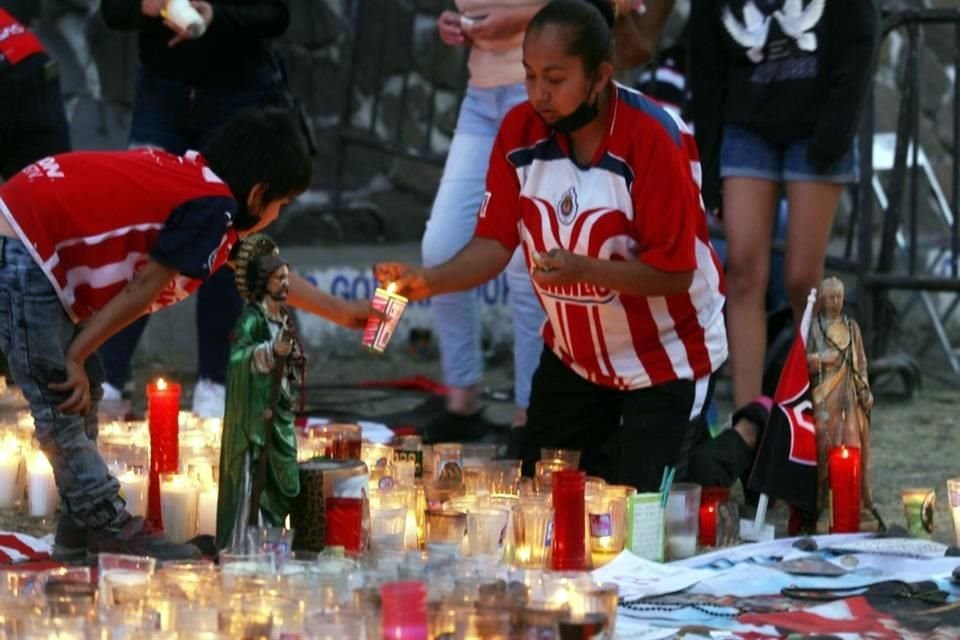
[178, 499]
[207, 511]
[133, 488]
[707, 516]
[843, 467]
[42, 495]
[10, 457]
[163, 400]
[378, 332]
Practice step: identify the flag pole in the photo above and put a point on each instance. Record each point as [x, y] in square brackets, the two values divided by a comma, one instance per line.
[759, 530]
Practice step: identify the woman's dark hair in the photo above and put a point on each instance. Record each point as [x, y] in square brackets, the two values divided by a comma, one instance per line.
[589, 24]
[260, 146]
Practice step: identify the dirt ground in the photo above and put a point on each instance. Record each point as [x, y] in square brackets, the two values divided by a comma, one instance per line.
[915, 442]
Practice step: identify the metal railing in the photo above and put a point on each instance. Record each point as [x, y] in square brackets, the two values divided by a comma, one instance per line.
[888, 259]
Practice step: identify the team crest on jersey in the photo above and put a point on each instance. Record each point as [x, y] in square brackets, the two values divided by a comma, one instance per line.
[568, 206]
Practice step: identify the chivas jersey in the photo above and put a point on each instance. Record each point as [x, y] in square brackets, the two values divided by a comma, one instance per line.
[638, 199]
[92, 219]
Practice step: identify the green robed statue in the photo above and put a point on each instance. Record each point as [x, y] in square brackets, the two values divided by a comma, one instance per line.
[264, 374]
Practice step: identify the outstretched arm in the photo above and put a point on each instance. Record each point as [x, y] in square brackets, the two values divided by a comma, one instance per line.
[121, 310]
[481, 260]
[352, 314]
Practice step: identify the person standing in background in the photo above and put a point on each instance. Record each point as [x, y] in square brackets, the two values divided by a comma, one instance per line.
[778, 90]
[494, 31]
[33, 124]
[186, 89]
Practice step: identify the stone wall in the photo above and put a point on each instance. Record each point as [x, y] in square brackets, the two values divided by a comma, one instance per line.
[395, 54]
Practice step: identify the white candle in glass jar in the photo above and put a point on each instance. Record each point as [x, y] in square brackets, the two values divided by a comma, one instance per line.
[178, 507]
[9, 475]
[207, 511]
[133, 487]
[42, 495]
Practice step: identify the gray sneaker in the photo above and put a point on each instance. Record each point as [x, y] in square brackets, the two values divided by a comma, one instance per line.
[136, 537]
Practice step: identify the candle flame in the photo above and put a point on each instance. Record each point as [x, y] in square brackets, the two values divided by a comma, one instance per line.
[392, 287]
[161, 384]
[844, 452]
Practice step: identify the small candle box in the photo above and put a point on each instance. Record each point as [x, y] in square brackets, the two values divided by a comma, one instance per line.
[377, 334]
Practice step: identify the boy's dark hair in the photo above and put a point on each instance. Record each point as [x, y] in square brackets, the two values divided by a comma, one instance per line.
[259, 146]
[589, 25]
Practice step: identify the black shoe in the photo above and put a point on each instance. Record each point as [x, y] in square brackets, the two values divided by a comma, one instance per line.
[136, 538]
[757, 412]
[70, 541]
[455, 427]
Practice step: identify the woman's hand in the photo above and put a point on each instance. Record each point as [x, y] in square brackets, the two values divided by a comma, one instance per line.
[557, 267]
[205, 9]
[450, 29]
[500, 23]
[409, 281]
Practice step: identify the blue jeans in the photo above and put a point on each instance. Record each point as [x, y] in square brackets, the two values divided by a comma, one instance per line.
[176, 117]
[35, 332]
[745, 154]
[456, 316]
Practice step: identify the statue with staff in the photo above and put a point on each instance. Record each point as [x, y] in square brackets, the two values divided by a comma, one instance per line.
[259, 476]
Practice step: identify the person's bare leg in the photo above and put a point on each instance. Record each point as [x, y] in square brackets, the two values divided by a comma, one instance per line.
[748, 214]
[812, 209]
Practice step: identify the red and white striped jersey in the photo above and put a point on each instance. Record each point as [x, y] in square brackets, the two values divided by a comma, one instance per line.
[16, 41]
[639, 199]
[91, 220]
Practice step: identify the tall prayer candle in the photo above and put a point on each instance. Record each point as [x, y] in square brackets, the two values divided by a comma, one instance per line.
[163, 405]
[843, 466]
[42, 494]
[133, 486]
[178, 497]
[9, 474]
[207, 511]
[569, 525]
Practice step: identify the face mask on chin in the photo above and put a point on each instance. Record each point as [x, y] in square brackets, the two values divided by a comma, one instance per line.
[584, 114]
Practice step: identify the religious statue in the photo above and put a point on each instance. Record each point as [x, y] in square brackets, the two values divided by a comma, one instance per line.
[841, 391]
[259, 475]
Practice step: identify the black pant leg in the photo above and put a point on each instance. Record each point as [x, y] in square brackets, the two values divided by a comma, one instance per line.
[570, 412]
[660, 426]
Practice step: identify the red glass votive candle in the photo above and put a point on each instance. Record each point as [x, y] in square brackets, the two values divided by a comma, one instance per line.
[569, 521]
[403, 610]
[343, 524]
[163, 419]
[710, 497]
[843, 467]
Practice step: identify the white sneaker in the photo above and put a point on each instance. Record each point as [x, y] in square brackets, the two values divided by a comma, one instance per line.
[209, 399]
[112, 405]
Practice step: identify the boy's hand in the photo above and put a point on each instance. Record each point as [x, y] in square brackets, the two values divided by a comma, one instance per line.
[450, 29]
[410, 281]
[354, 314]
[78, 385]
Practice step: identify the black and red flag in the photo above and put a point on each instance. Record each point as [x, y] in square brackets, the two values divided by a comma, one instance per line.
[786, 462]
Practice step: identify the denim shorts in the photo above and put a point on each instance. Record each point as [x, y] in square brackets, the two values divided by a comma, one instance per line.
[745, 154]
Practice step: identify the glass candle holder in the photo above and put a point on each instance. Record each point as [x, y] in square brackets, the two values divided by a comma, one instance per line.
[683, 512]
[445, 531]
[532, 535]
[918, 507]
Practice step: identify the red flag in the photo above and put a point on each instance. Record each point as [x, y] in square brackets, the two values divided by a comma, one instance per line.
[786, 463]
